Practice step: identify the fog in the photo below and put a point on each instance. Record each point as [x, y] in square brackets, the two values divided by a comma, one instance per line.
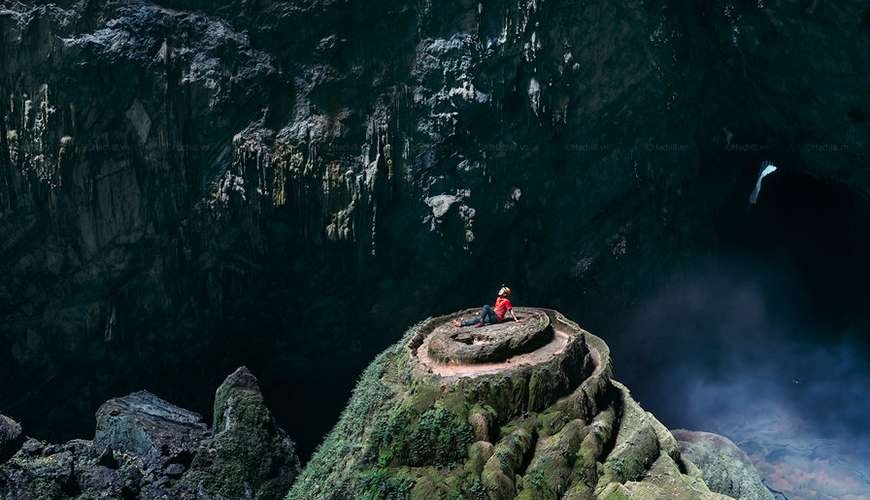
[766, 342]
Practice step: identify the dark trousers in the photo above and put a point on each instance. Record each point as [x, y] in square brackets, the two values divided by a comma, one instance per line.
[486, 316]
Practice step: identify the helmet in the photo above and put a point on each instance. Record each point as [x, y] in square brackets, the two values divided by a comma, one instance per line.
[504, 291]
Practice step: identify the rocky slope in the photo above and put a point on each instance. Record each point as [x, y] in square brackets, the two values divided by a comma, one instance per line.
[725, 467]
[179, 167]
[537, 420]
[145, 447]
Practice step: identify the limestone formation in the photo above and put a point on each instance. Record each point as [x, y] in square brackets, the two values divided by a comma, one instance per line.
[443, 414]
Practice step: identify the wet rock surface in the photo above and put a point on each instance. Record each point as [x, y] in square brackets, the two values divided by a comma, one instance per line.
[145, 447]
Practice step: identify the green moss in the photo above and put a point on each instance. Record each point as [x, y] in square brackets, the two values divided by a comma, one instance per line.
[384, 484]
[441, 437]
[327, 474]
[534, 487]
[478, 454]
[505, 394]
[549, 473]
[423, 395]
[636, 447]
[438, 436]
[455, 401]
[500, 470]
[473, 489]
[552, 422]
[615, 491]
[481, 420]
[542, 389]
[449, 484]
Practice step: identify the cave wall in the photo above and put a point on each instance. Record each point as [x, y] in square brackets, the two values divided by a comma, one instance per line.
[290, 184]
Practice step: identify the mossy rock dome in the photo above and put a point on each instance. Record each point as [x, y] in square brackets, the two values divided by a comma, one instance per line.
[514, 410]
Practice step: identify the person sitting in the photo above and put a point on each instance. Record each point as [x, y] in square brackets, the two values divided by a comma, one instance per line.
[492, 314]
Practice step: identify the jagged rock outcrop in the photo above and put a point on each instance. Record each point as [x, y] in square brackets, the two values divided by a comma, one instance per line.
[544, 423]
[145, 447]
[248, 456]
[11, 437]
[150, 428]
[161, 163]
[75, 469]
[725, 467]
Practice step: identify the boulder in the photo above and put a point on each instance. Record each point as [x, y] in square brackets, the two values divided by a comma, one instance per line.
[11, 438]
[148, 427]
[73, 469]
[725, 467]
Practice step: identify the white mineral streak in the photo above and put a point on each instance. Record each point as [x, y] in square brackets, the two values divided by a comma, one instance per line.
[766, 169]
[30, 146]
[467, 92]
[249, 152]
[467, 214]
[139, 120]
[440, 206]
[535, 95]
[530, 49]
[734, 21]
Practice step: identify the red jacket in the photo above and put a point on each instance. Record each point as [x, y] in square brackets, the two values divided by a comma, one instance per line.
[502, 306]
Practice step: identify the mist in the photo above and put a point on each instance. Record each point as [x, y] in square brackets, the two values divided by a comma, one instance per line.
[765, 338]
[745, 349]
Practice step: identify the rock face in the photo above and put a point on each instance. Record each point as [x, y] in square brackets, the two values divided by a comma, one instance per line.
[76, 468]
[148, 427]
[549, 423]
[726, 469]
[145, 447]
[163, 162]
[11, 437]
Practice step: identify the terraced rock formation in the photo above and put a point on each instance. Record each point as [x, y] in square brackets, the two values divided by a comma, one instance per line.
[440, 415]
